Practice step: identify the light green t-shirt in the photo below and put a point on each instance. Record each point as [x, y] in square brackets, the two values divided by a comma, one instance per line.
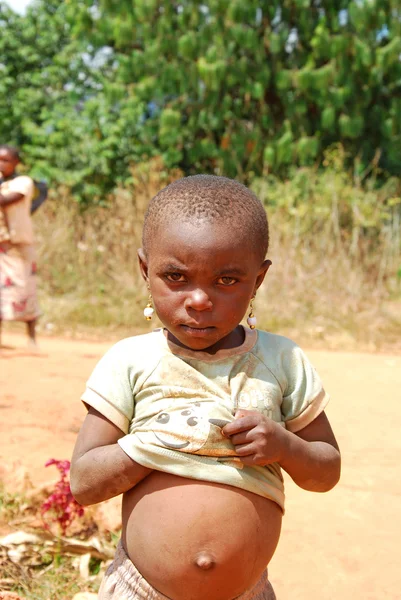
[172, 402]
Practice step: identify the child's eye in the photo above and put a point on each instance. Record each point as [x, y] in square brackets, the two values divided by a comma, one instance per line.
[227, 280]
[175, 277]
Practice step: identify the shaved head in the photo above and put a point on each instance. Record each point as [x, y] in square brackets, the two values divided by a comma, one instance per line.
[212, 199]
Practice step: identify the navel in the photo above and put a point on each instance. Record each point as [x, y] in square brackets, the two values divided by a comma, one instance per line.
[204, 561]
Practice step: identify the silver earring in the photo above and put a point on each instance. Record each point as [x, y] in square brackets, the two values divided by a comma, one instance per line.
[149, 310]
[251, 320]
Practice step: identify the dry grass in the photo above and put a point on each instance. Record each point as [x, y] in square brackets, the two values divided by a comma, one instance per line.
[50, 567]
[327, 301]
[60, 582]
[336, 252]
[88, 267]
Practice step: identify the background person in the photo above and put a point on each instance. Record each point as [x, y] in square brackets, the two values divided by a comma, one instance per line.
[18, 297]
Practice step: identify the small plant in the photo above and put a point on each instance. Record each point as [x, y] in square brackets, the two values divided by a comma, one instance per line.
[61, 504]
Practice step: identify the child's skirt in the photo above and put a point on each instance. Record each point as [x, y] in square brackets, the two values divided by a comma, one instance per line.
[18, 298]
[123, 581]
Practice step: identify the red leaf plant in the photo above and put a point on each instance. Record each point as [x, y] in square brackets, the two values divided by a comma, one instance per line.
[61, 504]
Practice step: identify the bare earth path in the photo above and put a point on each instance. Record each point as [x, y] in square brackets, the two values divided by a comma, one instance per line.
[341, 545]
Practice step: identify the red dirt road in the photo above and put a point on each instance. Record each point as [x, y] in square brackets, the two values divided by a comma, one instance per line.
[344, 544]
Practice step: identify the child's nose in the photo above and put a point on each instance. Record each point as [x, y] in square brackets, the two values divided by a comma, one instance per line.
[198, 300]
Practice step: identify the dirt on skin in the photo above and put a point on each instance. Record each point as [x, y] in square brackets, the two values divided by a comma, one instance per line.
[343, 544]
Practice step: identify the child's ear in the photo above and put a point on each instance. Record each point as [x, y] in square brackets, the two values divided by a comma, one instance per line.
[262, 273]
[143, 264]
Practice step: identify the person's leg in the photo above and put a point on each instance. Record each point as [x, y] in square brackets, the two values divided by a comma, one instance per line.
[31, 331]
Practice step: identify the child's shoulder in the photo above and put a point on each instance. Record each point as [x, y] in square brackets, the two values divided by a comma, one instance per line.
[273, 343]
[282, 356]
[23, 180]
[302, 393]
[137, 348]
[22, 184]
[278, 352]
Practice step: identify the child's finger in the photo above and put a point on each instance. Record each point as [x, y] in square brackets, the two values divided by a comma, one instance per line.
[241, 438]
[240, 424]
[244, 450]
[242, 412]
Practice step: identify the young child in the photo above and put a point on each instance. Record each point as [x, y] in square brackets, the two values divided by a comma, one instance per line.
[194, 422]
[18, 299]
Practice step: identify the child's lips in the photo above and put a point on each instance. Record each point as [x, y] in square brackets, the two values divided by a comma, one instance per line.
[197, 331]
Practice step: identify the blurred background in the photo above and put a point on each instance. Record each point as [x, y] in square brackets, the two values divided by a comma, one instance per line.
[298, 99]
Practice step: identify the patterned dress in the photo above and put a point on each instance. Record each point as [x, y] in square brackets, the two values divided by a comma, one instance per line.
[18, 298]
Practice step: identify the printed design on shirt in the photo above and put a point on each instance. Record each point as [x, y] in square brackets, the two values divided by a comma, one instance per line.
[8, 282]
[191, 427]
[258, 399]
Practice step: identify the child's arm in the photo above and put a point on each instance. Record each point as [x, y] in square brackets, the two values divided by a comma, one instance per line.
[100, 469]
[10, 198]
[311, 456]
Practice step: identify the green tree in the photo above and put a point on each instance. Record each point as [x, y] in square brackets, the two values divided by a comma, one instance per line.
[47, 88]
[89, 88]
[37, 62]
[244, 87]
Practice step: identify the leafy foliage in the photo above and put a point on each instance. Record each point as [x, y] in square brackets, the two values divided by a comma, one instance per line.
[245, 87]
[38, 62]
[61, 504]
[51, 104]
[237, 88]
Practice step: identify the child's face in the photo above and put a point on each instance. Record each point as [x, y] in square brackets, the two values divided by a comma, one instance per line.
[202, 277]
[8, 162]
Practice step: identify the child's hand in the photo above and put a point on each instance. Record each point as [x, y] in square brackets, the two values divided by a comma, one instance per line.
[257, 440]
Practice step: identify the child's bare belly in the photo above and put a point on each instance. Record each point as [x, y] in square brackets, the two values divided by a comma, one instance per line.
[193, 540]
